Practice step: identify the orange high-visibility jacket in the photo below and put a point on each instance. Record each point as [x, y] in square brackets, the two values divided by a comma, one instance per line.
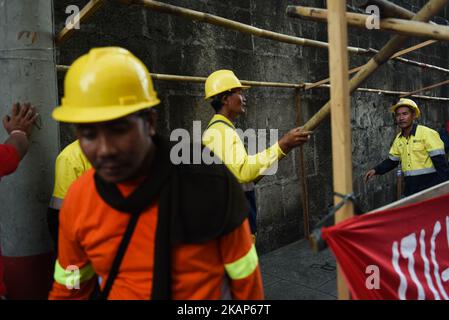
[89, 235]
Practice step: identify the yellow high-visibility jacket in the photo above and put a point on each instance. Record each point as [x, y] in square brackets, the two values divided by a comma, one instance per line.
[70, 164]
[223, 140]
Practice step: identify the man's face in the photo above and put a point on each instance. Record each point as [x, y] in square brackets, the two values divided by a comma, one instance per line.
[118, 149]
[404, 117]
[235, 102]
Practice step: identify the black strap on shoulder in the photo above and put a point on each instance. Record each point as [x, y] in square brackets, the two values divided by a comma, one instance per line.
[219, 121]
[136, 203]
[119, 256]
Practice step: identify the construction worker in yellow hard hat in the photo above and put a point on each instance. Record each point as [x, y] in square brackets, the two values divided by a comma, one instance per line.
[418, 148]
[225, 92]
[152, 229]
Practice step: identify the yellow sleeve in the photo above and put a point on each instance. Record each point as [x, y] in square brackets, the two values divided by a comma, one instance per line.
[227, 145]
[434, 144]
[74, 276]
[69, 165]
[395, 153]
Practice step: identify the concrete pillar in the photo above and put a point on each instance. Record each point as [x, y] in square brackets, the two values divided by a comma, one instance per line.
[28, 74]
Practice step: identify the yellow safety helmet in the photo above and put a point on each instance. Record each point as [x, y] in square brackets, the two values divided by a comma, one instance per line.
[407, 103]
[105, 84]
[221, 81]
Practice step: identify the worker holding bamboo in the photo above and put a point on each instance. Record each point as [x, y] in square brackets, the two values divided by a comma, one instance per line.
[418, 148]
[225, 92]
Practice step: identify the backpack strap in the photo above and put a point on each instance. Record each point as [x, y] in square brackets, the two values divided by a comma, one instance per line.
[219, 121]
[119, 256]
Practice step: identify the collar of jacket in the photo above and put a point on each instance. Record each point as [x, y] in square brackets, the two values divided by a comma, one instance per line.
[220, 117]
[412, 132]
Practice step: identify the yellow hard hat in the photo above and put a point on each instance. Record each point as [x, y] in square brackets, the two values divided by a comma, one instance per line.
[105, 84]
[221, 81]
[407, 103]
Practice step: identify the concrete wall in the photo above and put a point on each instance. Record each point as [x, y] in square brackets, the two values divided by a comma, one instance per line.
[175, 45]
[28, 74]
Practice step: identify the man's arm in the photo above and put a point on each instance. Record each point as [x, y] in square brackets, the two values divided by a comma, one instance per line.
[441, 166]
[74, 276]
[382, 168]
[9, 159]
[435, 149]
[242, 264]
[227, 145]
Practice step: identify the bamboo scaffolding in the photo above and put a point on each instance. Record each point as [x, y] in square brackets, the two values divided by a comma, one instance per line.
[387, 8]
[244, 28]
[340, 119]
[86, 12]
[395, 56]
[177, 78]
[428, 11]
[433, 86]
[358, 20]
[302, 171]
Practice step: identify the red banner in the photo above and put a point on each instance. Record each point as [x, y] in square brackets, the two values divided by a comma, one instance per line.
[401, 253]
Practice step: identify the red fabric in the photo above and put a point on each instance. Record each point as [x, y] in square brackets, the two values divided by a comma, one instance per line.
[9, 159]
[409, 246]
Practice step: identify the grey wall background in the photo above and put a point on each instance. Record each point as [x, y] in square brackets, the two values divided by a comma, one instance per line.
[175, 45]
[27, 74]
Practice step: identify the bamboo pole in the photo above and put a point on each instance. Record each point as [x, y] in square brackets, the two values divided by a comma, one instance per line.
[428, 11]
[340, 118]
[324, 81]
[177, 78]
[387, 8]
[408, 94]
[302, 168]
[208, 18]
[395, 56]
[398, 184]
[358, 20]
[86, 12]
[244, 28]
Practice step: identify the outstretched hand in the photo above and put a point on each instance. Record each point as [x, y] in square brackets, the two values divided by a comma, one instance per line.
[22, 118]
[371, 173]
[294, 138]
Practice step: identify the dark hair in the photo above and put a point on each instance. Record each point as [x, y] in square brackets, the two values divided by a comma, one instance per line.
[217, 103]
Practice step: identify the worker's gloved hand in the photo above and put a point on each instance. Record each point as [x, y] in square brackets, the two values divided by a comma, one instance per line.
[371, 173]
[22, 118]
[294, 138]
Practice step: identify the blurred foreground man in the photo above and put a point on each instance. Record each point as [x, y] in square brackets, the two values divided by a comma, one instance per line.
[147, 228]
